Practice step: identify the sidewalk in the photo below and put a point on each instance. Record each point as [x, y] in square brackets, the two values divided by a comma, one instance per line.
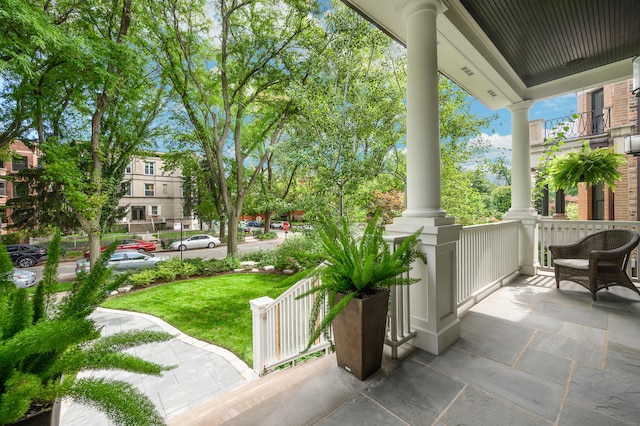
[203, 371]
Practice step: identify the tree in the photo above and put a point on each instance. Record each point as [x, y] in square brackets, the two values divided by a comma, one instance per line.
[231, 86]
[88, 94]
[351, 109]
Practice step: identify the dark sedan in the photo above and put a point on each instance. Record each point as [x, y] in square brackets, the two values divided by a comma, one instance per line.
[26, 255]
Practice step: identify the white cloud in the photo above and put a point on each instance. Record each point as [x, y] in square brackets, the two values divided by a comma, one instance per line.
[498, 141]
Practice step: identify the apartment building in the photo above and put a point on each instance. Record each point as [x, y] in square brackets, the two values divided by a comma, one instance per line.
[22, 158]
[154, 199]
[606, 116]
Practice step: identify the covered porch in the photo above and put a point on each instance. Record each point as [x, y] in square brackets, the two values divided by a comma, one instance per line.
[529, 354]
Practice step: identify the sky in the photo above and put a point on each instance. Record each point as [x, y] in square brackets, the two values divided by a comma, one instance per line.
[499, 134]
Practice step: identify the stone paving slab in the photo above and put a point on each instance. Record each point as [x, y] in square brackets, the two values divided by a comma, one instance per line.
[202, 372]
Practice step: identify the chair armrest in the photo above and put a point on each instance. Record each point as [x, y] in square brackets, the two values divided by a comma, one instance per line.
[617, 253]
[568, 251]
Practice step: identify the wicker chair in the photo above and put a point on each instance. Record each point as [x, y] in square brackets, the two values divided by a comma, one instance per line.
[596, 261]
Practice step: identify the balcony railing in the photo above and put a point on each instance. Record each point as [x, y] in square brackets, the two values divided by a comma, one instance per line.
[486, 256]
[585, 124]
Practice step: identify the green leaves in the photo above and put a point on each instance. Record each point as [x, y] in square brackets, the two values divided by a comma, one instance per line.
[358, 267]
[592, 166]
[37, 350]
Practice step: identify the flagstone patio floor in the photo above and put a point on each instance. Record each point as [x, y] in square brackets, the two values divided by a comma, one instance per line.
[530, 354]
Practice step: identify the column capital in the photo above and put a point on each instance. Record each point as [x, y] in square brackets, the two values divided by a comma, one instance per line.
[409, 7]
[519, 106]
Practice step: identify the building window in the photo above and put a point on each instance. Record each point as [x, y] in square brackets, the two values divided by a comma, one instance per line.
[1, 164]
[20, 189]
[165, 189]
[19, 163]
[126, 189]
[149, 168]
[3, 189]
[128, 169]
[154, 210]
[149, 190]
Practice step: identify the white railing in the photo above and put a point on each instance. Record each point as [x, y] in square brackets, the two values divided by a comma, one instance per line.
[399, 329]
[281, 327]
[552, 231]
[486, 255]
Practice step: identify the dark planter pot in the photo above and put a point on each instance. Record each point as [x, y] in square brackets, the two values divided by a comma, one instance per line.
[359, 331]
[47, 417]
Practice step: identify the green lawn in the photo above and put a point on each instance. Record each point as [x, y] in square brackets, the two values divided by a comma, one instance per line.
[214, 309]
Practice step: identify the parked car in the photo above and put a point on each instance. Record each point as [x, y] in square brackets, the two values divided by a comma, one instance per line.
[125, 260]
[244, 228]
[26, 255]
[278, 225]
[24, 278]
[254, 223]
[195, 241]
[131, 245]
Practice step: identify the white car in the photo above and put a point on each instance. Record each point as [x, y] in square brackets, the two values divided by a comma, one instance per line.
[125, 260]
[23, 278]
[195, 241]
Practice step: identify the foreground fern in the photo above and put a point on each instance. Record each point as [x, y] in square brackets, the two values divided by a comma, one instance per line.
[43, 346]
[358, 268]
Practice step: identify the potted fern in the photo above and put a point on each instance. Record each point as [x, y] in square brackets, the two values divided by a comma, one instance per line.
[355, 282]
[43, 345]
[586, 165]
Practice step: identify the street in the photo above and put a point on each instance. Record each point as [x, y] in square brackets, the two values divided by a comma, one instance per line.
[66, 270]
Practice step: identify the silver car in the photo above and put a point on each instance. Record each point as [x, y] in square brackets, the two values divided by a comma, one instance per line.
[125, 260]
[195, 241]
[24, 278]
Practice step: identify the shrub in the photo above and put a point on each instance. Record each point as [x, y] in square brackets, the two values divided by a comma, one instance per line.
[298, 252]
[143, 278]
[271, 235]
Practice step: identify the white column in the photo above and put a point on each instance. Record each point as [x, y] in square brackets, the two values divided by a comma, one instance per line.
[433, 299]
[423, 130]
[521, 207]
[520, 158]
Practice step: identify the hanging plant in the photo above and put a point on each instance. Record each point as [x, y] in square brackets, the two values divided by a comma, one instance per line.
[592, 166]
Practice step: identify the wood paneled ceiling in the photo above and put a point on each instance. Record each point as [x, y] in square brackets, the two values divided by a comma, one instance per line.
[544, 40]
[505, 51]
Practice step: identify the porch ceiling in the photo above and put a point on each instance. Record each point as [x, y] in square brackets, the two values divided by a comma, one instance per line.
[506, 51]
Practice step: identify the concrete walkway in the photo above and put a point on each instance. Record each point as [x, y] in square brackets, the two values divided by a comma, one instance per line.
[203, 371]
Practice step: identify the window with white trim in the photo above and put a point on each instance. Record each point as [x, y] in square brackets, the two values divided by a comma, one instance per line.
[149, 190]
[128, 170]
[149, 168]
[3, 189]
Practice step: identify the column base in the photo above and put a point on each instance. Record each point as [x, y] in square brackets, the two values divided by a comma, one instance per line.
[436, 343]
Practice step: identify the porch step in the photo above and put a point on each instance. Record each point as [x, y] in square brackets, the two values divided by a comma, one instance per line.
[281, 397]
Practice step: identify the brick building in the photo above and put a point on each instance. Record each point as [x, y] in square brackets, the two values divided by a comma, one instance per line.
[606, 115]
[22, 157]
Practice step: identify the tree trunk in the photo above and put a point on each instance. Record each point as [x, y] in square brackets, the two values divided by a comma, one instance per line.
[232, 238]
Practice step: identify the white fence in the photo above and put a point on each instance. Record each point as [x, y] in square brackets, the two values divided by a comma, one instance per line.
[486, 255]
[551, 231]
[281, 327]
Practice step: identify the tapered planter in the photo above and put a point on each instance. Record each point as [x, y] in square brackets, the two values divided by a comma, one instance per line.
[49, 416]
[358, 331]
